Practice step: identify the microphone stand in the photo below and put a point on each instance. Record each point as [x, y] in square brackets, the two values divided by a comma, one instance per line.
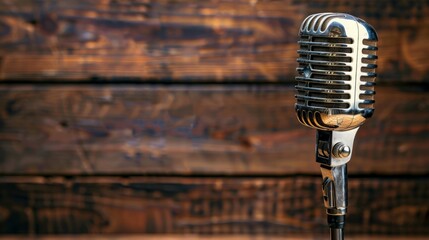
[333, 151]
[337, 233]
[334, 189]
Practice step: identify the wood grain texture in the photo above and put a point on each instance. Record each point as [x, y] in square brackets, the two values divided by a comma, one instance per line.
[215, 40]
[194, 130]
[203, 237]
[115, 205]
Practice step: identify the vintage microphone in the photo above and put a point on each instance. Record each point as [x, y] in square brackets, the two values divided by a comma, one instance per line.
[335, 95]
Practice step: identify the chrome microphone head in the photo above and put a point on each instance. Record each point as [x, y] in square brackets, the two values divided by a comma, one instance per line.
[336, 72]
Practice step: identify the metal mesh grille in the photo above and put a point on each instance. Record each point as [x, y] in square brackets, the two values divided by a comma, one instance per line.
[369, 74]
[324, 74]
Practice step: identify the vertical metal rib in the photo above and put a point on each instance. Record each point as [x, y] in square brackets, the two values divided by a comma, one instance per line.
[368, 74]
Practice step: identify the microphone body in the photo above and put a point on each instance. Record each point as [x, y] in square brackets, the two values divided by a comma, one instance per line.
[335, 89]
[335, 95]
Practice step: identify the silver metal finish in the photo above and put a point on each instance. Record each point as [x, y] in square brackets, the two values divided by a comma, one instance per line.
[341, 150]
[335, 95]
[331, 147]
[334, 188]
[336, 72]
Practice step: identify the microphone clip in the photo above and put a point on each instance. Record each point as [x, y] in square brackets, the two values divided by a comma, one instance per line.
[333, 152]
[334, 148]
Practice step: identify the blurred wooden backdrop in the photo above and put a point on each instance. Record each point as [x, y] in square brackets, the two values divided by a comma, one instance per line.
[171, 117]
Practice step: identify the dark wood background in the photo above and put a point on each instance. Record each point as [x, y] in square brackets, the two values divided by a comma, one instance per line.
[173, 117]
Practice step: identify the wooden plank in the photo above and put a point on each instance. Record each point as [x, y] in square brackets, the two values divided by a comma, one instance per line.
[278, 206]
[194, 130]
[202, 237]
[213, 40]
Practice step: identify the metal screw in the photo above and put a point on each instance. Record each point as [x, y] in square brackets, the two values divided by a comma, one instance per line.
[340, 150]
[335, 32]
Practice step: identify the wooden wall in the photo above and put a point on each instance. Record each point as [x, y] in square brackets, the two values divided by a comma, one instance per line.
[215, 40]
[174, 117]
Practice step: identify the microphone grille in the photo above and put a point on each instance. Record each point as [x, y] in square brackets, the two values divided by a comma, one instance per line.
[324, 72]
[336, 71]
[368, 75]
